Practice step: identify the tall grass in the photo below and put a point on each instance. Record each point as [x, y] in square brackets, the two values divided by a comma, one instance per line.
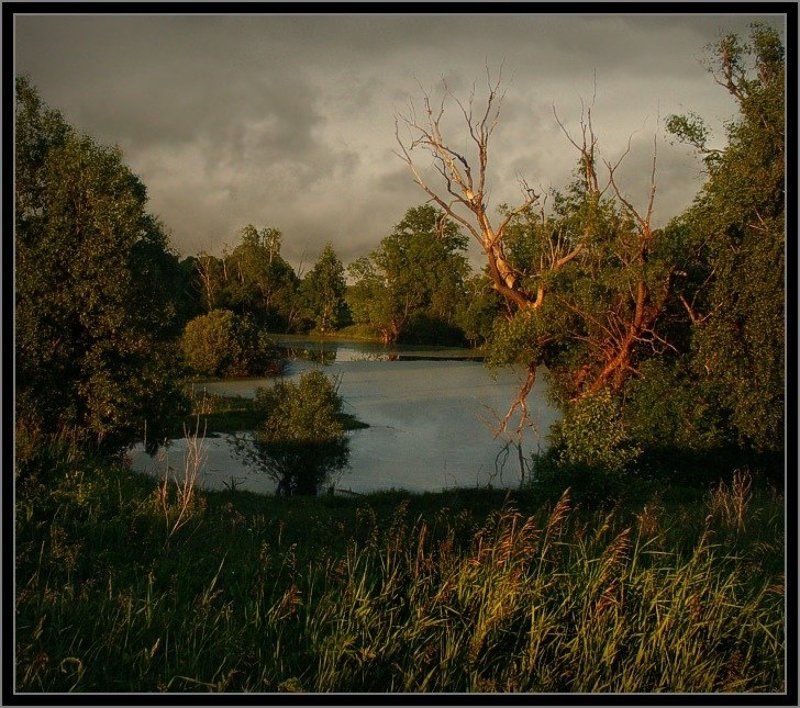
[176, 494]
[547, 603]
[396, 593]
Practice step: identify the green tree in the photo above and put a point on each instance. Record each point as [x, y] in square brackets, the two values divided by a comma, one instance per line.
[598, 312]
[222, 343]
[418, 271]
[367, 297]
[323, 291]
[593, 435]
[479, 310]
[259, 282]
[95, 311]
[735, 293]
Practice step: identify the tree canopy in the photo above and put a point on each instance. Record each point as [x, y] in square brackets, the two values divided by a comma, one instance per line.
[95, 310]
[222, 343]
[414, 281]
[735, 292]
[323, 291]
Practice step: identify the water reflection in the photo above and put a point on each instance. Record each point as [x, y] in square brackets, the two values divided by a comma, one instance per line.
[329, 352]
[295, 468]
[319, 355]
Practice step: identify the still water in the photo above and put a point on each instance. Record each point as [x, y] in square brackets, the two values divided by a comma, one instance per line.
[430, 416]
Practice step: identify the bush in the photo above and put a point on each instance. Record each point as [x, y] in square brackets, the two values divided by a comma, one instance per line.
[592, 487]
[222, 343]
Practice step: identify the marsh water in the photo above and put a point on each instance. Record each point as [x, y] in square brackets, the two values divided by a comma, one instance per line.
[430, 412]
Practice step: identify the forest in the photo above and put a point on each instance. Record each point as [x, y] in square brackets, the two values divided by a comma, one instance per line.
[642, 547]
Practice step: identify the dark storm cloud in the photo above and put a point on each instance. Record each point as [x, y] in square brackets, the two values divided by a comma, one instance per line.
[288, 121]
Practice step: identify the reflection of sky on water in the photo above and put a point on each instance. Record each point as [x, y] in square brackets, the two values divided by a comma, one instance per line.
[429, 424]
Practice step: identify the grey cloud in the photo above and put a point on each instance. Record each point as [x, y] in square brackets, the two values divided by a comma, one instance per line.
[288, 120]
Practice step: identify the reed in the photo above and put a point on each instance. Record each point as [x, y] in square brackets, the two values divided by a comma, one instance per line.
[396, 592]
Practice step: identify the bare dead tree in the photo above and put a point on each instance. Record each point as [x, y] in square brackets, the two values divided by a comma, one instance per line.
[205, 271]
[462, 194]
[464, 199]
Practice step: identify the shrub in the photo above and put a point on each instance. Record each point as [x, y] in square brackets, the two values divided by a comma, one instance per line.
[222, 343]
[302, 441]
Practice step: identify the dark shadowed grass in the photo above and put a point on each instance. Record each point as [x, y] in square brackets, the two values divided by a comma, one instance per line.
[659, 589]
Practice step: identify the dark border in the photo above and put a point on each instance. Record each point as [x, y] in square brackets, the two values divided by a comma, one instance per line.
[349, 7]
[788, 9]
[7, 281]
[791, 438]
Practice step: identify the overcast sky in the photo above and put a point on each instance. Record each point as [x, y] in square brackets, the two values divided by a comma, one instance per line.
[288, 121]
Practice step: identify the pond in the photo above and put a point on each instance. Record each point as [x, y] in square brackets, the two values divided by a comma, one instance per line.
[429, 411]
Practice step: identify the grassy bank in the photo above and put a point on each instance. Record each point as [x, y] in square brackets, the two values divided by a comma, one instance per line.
[352, 333]
[661, 589]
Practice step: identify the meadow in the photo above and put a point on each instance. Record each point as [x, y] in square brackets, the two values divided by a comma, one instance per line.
[124, 584]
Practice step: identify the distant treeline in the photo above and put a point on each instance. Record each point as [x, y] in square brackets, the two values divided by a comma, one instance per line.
[416, 286]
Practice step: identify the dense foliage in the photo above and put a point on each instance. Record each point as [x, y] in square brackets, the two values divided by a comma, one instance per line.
[223, 343]
[323, 292]
[253, 280]
[735, 290]
[415, 287]
[411, 286]
[95, 311]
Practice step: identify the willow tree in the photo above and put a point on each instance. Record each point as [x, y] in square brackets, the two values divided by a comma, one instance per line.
[586, 279]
